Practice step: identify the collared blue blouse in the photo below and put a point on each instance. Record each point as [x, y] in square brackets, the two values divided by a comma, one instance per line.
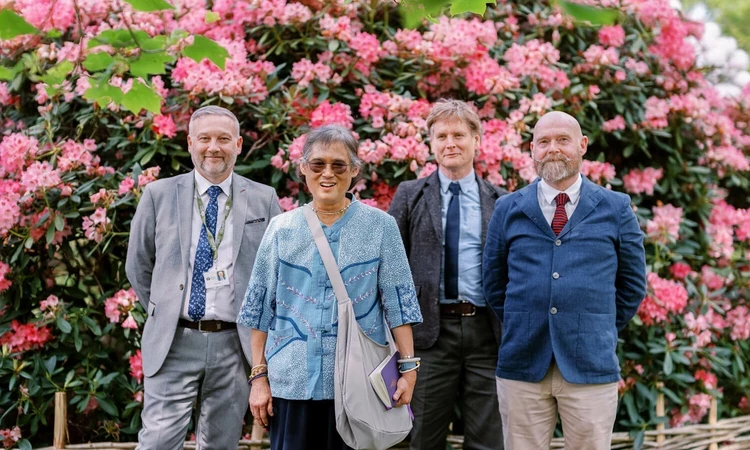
[290, 296]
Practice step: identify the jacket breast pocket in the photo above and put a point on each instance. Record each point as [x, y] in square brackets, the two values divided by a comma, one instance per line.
[597, 343]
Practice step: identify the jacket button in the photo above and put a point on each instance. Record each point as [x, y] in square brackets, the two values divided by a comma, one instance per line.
[558, 242]
[182, 287]
[555, 275]
[553, 310]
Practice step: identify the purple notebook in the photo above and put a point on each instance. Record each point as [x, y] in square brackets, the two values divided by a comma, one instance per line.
[384, 380]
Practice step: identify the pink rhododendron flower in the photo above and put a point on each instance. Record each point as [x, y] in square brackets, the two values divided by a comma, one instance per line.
[148, 176]
[21, 337]
[75, 155]
[709, 379]
[16, 150]
[656, 112]
[130, 323]
[164, 126]
[96, 225]
[304, 71]
[49, 304]
[680, 270]
[642, 181]
[5, 98]
[40, 175]
[711, 279]
[739, 319]
[665, 226]
[126, 185]
[120, 304]
[616, 124]
[102, 198]
[612, 36]
[663, 297]
[327, 113]
[136, 366]
[10, 436]
[538, 104]
[598, 172]
[288, 203]
[697, 409]
[4, 282]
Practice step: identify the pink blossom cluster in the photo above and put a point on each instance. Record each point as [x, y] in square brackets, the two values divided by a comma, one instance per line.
[5, 283]
[304, 71]
[50, 306]
[701, 327]
[535, 60]
[698, 406]
[663, 297]
[17, 151]
[739, 319]
[10, 436]
[263, 12]
[597, 57]
[23, 337]
[74, 155]
[721, 228]
[612, 36]
[332, 113]
[639, 181]
[96, 225]
[680, 270]
[657, 111]
[121, 304]
[665, 225]
[501, 143]
[485, 76]
[708, 379]
[163, 125]
[136, 366]
[615, 124]
[598, 172]
[288, 203]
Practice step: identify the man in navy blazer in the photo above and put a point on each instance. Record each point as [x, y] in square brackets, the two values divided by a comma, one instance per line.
[564, 270]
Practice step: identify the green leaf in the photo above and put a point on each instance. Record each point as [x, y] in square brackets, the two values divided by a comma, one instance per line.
[92, 325]
[584, 13]
[103, 93]
[98, 61]
[63, 325]
[142, 96]
[472, 6]
[638, 437]
[49, 365]
[12, 25]
[203, 48]
[6, 73]
[106, 405]
[120, 38]
[212, 17]
[24, 444]
[54, 34]
[59, 223]
[668, 365]
[50, 235]
[413, 12]
[149, 5]
[149, 64]
[56, 75]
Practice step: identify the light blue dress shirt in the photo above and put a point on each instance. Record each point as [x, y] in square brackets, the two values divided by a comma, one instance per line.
[469, 241]
[290, 296]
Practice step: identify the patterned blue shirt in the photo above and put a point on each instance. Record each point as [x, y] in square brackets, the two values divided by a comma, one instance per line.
[290, 296]
[470, 243]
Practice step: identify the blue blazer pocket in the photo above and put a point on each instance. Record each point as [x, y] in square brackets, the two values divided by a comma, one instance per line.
[596, 345]
[258, 220]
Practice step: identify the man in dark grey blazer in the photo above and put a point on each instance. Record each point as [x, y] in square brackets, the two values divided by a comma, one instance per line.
[192, 246]
[443, 220]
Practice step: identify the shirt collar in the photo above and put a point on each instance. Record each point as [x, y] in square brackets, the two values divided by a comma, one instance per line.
[573, 191]
[203, 184]
[467, 183]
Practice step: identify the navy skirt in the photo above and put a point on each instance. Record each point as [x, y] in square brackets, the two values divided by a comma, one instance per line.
[304, 425]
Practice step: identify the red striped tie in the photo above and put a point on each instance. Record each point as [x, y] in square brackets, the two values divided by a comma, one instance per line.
[561, 217]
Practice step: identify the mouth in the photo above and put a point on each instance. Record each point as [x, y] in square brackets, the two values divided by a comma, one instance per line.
[327, 185]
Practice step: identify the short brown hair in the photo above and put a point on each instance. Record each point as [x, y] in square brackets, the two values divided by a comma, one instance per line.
[447, 109]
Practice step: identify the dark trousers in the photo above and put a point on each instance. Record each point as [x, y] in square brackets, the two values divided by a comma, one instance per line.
[304, 425]
[458, 370]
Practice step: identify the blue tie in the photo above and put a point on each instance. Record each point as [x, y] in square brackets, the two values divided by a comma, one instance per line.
[203, 258]
[452, 232]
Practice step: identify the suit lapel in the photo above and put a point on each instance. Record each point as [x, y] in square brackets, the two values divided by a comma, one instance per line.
[529, 204]
[185, 189]
[590, 197]
[435, 203]
[239, 210]
[486, 203]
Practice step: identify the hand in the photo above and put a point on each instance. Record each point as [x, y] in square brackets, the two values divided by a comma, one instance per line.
[261, 402]
[405, 388]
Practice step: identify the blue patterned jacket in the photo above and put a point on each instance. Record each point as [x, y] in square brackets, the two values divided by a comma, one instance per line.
[290, 296]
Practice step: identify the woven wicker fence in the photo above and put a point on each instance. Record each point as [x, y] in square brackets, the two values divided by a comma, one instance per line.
[727, 434]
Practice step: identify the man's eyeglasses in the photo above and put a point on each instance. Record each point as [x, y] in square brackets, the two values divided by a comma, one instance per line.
[338, 167]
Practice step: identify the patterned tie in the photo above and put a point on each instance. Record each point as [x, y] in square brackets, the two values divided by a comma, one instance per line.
[203, 258]
[452, 232]
[561, 217]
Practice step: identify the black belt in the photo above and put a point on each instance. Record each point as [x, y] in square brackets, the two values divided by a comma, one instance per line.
[463, 309]
[207, 325]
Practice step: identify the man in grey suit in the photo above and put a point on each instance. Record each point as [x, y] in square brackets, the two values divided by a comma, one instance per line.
[192, 246]
[443, 221]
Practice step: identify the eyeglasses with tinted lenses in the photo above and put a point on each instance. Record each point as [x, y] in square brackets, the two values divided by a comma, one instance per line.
[338, 167]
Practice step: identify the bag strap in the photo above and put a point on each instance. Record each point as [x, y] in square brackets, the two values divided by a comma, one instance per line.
[324, 248]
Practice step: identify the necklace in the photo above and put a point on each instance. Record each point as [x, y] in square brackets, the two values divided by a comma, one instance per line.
[340, 211]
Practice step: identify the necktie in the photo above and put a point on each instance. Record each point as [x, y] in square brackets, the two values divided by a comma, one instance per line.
[452, 232]
[561, 217]
[203, 258]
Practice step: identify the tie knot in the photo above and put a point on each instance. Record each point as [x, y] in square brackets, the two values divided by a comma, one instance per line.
[562, 198]
[213, 192]
[455, 188]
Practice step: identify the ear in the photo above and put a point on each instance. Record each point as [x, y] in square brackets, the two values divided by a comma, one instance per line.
[239, 145]
[190, 143]
[355, 172]
[477, 141]
[584, 145]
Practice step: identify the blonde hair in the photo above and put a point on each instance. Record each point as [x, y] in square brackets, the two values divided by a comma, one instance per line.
[448, 109]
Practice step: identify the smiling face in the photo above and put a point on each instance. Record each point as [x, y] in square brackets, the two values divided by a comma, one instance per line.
[558, 148]
[328, 187]
[214, 145]
[454, 147]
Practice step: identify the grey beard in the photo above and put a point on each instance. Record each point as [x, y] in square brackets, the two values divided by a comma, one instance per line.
[554, 171]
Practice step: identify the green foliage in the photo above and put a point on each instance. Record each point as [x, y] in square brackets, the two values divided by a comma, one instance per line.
[12, 25]
[149, 5]
[590, 14]
[204, 48]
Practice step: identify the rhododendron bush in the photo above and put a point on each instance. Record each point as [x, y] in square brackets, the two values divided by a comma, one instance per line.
[96, 102]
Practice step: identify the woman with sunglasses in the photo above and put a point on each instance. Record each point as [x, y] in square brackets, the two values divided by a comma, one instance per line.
[291, 307]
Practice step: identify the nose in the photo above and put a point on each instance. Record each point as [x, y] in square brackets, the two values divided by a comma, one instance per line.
[328, 170]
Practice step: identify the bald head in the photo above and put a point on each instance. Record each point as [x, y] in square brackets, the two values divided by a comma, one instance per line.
[558, 119]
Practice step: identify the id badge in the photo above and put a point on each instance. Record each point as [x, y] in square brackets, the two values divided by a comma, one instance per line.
[216, 278]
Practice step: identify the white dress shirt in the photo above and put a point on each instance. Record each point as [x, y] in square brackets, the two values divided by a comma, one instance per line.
[219, 301]
[546, 195]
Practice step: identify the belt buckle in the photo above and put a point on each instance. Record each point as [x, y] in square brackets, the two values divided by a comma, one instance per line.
[473, 310]
[199, 326]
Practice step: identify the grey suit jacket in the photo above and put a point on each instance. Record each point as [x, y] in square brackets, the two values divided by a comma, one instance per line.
[159, 248]
[417, 209]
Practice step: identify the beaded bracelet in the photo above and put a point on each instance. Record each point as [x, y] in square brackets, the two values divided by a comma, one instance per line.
[255, 377]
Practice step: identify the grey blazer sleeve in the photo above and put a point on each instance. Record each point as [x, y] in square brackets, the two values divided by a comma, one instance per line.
[139, 265]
